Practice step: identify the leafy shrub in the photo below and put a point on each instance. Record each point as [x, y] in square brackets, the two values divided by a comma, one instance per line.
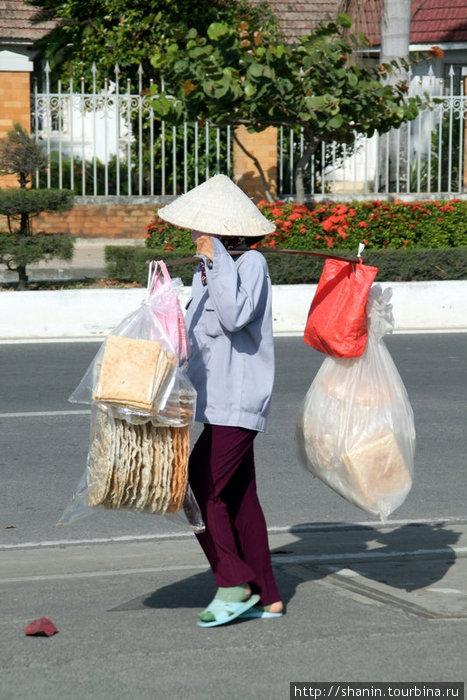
[25, 250]
[21, 155]
[164, 236]
[130, 264]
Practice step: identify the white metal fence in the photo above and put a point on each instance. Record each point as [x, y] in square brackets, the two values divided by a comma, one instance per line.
[107, 141]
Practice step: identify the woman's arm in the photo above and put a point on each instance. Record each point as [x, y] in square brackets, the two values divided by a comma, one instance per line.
[238, 292]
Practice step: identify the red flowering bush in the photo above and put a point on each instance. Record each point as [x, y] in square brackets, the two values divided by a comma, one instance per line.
[378, 224]
[434, 224]
[161, 235]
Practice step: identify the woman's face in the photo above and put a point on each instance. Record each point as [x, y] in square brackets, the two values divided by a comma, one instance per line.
[196, 234]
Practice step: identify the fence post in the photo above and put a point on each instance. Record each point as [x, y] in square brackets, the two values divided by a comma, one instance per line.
[464, 128]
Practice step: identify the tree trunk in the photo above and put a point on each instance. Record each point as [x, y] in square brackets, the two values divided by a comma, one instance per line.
[300, 168]
[24, 225]
[267, 192]
[395, 43]
[22, 277]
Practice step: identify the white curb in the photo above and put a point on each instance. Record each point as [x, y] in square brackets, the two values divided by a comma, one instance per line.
[93, 313]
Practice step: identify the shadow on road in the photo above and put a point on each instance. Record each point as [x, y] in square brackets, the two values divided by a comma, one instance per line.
[391, 557]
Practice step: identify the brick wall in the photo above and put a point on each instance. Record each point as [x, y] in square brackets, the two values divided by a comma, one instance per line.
[99, 220]
[14, 107]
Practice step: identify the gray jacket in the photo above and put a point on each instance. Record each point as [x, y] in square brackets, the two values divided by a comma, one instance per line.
[229, 322]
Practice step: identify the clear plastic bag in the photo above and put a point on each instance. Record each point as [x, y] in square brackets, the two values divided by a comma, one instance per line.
[143, 407]
[355, 429]
[135, 367]
[140, 467]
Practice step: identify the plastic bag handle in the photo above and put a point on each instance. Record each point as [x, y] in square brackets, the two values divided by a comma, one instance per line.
[152, 271]
[152, 274]
[164, 269]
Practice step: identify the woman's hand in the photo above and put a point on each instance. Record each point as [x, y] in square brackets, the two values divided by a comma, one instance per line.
[205, 247]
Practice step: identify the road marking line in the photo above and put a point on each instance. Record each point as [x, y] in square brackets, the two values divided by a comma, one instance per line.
[98, 574]
[314, 559]
[96, 540]
[41, 414]
[64, 339]
[272, 530]
[368, 555]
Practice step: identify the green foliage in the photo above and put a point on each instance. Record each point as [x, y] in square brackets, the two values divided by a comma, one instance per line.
[164, 236]
[23, 250]
[122, 31]
[19, 154]
[440, 169]
[246, 73]
[130, 264]
[14, 203]
[19, 247]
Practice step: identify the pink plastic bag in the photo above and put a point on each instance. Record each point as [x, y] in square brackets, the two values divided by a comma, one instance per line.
[167, 310]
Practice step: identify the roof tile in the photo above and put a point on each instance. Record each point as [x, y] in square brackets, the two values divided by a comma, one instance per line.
[16, 22]
[433, 21]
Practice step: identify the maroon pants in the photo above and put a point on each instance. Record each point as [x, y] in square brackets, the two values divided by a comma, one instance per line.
[222, 476]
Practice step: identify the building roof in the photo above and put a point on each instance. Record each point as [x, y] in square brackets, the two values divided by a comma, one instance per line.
[300, 17]
[16, 25]
[433, 21]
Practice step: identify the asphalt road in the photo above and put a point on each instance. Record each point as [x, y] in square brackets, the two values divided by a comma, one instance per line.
[365, 602]
[44, 440]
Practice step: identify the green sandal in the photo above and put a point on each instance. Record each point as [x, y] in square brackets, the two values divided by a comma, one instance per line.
[224, 611]
[259, 611]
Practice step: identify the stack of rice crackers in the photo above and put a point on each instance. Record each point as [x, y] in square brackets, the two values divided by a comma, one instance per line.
[140, 465]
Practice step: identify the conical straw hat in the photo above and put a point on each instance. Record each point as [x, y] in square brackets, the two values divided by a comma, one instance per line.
[217, 206]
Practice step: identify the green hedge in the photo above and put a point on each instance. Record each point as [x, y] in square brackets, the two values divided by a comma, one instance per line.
[129, 263]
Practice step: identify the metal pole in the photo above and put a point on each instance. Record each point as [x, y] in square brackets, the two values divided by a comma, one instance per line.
[464, 128]
[36, 124]
[151, 146]
[94, 135]
[83, 131]
[106, 130]
[129, 136]
[140, 130]
[48, 120]
[117, 129]
[60, 122]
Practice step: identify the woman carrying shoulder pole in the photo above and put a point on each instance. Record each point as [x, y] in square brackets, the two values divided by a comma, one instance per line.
[231, 366]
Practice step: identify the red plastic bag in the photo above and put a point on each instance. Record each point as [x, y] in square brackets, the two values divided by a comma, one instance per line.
[337, 323]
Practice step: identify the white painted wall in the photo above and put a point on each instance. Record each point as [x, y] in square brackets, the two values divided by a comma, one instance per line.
[93, 313]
